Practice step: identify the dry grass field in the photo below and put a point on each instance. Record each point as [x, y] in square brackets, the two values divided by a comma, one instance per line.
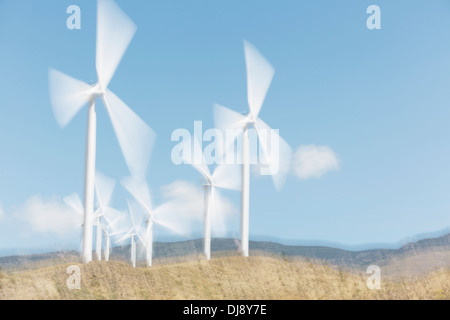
[228, 277]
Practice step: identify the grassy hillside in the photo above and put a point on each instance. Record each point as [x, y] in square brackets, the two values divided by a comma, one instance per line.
[231, 277]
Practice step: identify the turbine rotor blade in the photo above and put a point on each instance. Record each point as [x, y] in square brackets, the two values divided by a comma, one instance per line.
[114, 33]
[228, 176]
[232, 125]
[108, 221]
[137, 216]
[135, 137]
[227, 119]
[130, 212]
[264, 132]
[75, 203]
[126, 236]
[67, 95]
[259, 77]
[184, 201]
[183, 205]
[278, 161]
[167, 216]
[201, 167]
[139, 189]
[141, 239]
[104, 187]
[97, 214]
[113, 217]
[217, 213]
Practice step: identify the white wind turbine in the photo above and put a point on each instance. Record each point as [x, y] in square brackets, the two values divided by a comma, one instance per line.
[104, 188]
[109, 228]
[133, 233]
[68, 95]
[74, 202]
[225, 176]
[105, 219]
[162, 215]
[259, 78]
[106, 224]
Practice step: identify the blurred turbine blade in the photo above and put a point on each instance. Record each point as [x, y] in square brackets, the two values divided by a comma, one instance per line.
[259, 76]
[114, 33]
[228, 176]
[217, 213]
[200, 167]
[135, 137]
[130, 212]
[67, 96]
[138, 216]
[107, 225]
[168, 215]
[121, 227]
[126, 236]
[104, 187]
[185, 200]
[75, 203]
[139, 189]
[142, 239]
[227, 119]
[264, 134]
[97, 214]
[277, 159]
[113, 218]
[232, 125]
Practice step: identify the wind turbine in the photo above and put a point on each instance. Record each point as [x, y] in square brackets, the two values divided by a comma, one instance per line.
[133, 234]
[74, 202]
[105, 218]
[138, 188]
[68, 95]
[110, 229]
[225, 176]
[104, 188]
[259, 78]
[105, 228]
[109, 225]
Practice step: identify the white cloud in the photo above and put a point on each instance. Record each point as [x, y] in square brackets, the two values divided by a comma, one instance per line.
[2, 212]
[50, 216]
[314, 161]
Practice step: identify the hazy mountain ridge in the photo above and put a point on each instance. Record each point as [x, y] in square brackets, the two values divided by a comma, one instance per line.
[416, 257]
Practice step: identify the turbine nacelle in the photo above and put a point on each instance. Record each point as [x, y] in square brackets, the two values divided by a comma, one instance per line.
[207, 182]
[250, 121]
[98, 91]
[247, 120]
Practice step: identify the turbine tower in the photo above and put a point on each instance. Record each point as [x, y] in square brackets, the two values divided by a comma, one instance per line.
[111, 217]
[106, 227]
[225, 176]
[133, 234]
[68, 95]
[104, 188]
[259, 78]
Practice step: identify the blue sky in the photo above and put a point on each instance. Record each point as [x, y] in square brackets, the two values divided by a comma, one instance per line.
[378, 98]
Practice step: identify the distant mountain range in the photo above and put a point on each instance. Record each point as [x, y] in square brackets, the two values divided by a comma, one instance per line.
[411, 259]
